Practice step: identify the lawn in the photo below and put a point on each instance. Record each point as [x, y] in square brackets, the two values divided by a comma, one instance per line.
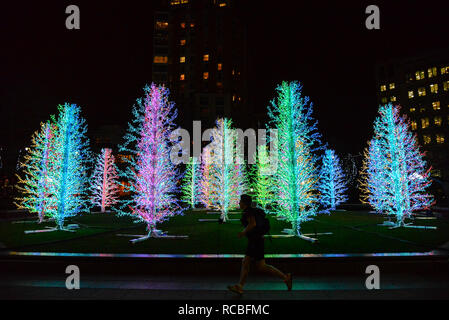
[352, 232]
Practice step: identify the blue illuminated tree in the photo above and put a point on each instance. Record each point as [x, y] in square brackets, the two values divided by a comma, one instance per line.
[295, 180]
[151, 175]
[332, 185]
[191, 190]
[72, 159]
[397, 174]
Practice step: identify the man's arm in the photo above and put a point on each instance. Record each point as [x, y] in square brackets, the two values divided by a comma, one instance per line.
[251, 225]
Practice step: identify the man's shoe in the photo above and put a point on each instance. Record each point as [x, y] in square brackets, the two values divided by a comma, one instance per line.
[289, 281]
[236, 289]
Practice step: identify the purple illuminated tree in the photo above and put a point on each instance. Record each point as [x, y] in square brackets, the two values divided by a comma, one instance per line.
[207, 196]
[104, 185]
[151, 174]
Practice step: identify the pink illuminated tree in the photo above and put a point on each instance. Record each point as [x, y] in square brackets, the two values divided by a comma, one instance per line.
[151, 175]
[104, 185]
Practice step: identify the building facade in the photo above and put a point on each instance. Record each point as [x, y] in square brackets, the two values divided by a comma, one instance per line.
[199, 53]
[420, 85]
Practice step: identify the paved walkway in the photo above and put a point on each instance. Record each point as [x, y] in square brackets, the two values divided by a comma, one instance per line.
[209, 288]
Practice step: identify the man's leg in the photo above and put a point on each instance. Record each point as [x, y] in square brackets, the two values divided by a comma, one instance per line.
[244, 271]
[262, 266]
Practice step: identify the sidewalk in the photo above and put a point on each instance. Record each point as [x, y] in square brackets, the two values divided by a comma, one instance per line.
[393, 286]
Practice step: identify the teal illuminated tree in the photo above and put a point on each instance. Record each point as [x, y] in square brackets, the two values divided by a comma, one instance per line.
[332, 184]
[72, 158]
[397, 173]
[104, 184]
[261, 178]
[191, 183]
[372, 177]
[227, 178]
[36, 186]
[295, 180]
[151, 175]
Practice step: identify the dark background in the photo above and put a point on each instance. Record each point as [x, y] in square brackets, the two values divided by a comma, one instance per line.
[104, 65]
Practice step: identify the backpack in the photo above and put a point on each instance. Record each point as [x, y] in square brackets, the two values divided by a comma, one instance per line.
[262, 222]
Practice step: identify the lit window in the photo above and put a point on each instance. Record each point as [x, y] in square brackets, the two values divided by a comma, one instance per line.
[424, 123]
[182, 42]
[192, 24]
[444, 70]
[161, 25]
[440, 138]
[183, 25]
[419, 75]
[432, 72]
[422, 110]
[434, 88]
[176, 2]
[206, 57]
[384, 100]
[233, 71]
[391, 86]
[412, 109]
[392, 98]
[160, 59]
[421, 92]
[233, 97]
[205, 75]
[427, 139]
[222, 4]
[436, 105]
[414, 125]
[182, 59]
[446, 85]
[436, 173]
[182, 76]
[383, 88]
[219, 66]
[410, 94]
[437, 121]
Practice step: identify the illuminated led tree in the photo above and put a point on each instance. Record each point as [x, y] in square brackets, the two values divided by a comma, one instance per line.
[104, 184]
[71, 164]
[372, 177]
[295, 180]
[397, 170]
[36, 186]
[191, 182]
[227, 172]
[332, 185]
[207, 197]
[261, 176]
[150, 172]
[240, 183]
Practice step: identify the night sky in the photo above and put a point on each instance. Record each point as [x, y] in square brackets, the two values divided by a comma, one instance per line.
[104, 65]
